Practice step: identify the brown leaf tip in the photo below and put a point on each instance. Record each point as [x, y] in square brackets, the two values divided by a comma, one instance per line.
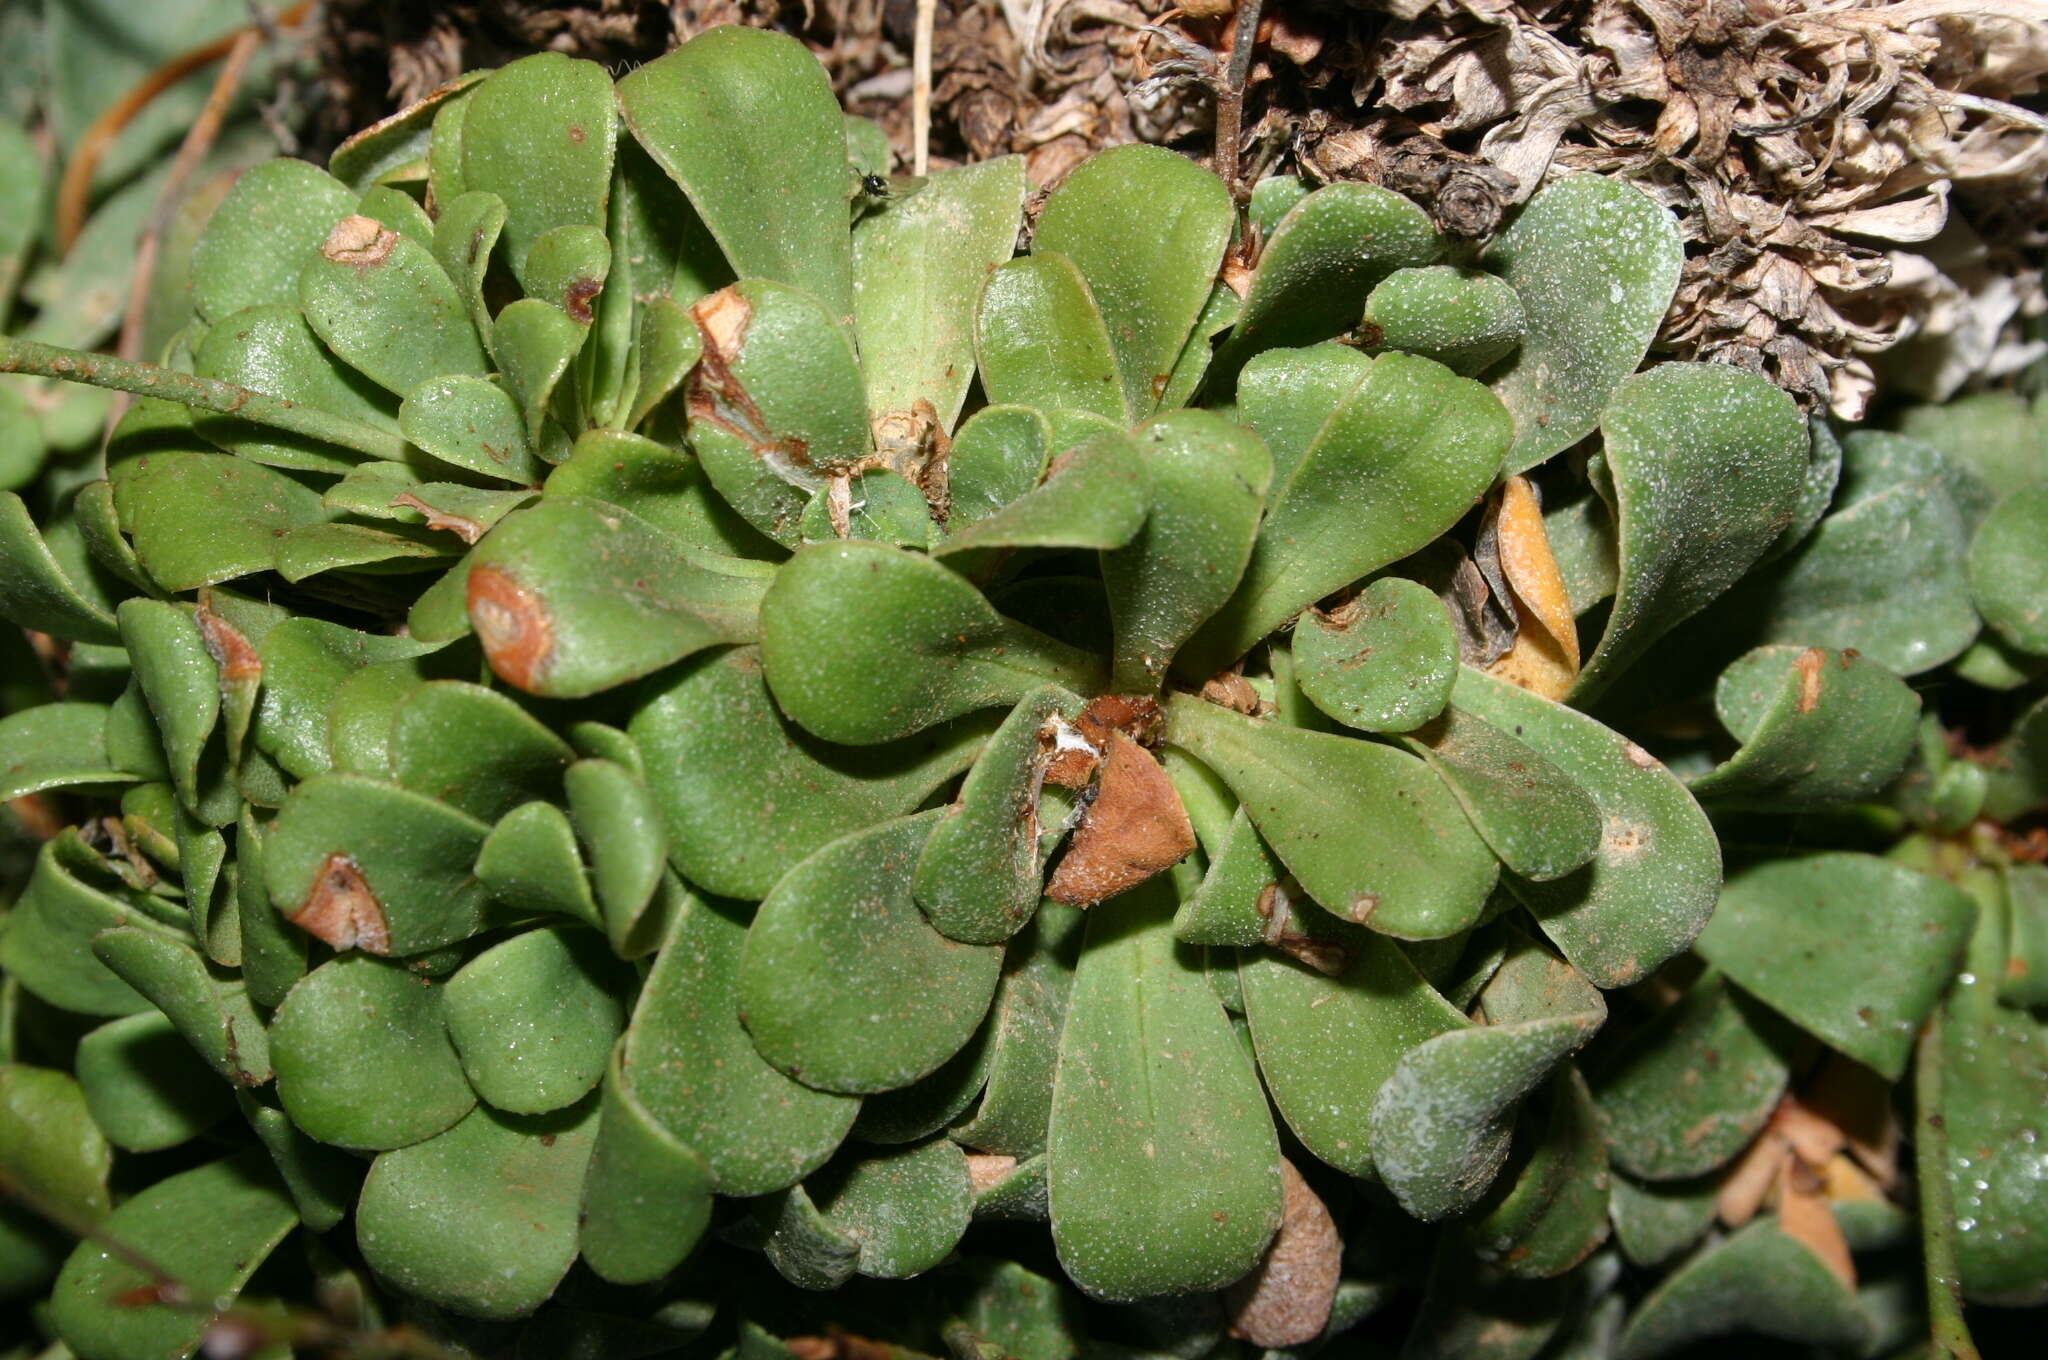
[360, 241]
[514, 626]
[1135, 828]
[232, 653]
[342, 911]
[1287, 1300]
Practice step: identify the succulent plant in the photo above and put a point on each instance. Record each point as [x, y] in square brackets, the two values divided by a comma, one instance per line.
[678, 703]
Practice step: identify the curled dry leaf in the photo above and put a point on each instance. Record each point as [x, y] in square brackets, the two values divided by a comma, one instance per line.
[1286, 1301]
[1135, 828]
[1545, 656]
[1805, 1215]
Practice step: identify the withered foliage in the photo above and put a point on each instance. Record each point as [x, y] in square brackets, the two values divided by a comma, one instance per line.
[1852, 177]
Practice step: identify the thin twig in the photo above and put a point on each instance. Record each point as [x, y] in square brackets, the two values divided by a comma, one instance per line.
[921, 88]
[205, 394]
[1230, 99]
[74, 191]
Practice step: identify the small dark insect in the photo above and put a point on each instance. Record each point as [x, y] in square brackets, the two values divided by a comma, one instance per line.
[874, 186]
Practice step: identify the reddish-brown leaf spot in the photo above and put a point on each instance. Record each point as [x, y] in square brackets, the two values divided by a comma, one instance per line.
[576, 298]
[1286, 1301]
[232, 653]
[361, 241]
[1135, 828]
[1809, 664]
[342, 911]
[513, 623]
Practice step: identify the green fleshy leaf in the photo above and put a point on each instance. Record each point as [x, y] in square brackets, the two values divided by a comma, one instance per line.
[905, 1208]
[1384, 663]
[746, 795]
[322, 1181]
[481, 1218]
[49, 1146]
[647, 1195]
[363, 1056]
[1548, 1209]
[1462, 318]
[745, 121]
[628, 850]
[573, 596]
[568, 266]
[208, 1228]
[844, 984]
[880, 505]
[525, 1058]
[1242, 872]
[864, 644]
[2006, 566]
[372, 865]
[978, 876]
[391, 145]
[539, 134]
[1995, 436]
[919, 264]
[305, 663]
[214, 1015]
[382, 303]
[530, 863]
[1404, 452]
[2017, 774]
[146, 1087]
[777, 404]
[808, 1251]
[1041, 341]
[1706, 463]
[2024, 979]
[1441, 1122]
[464, 237]
[1758, 1280]
[1657, 1220]
[1818, 729]
[689, 1061]
[1595, 261]
[1024, 1028]
[1207, 484]
[1652, 883]
[1532, 814]
[472, 424]
[474, 749]
[1854, 949]
[1149, 299]
[1686, 1092]
[398, 210]
[1428, 879]
[1094, 498]
[246, 507]
[535, 343]
[35, 590]
[664, 486]
[921, 1109]
[1164, 1168]
[1319, 263]
[260, 237]
[1374, 1009]
[71, 896]
[55, 746]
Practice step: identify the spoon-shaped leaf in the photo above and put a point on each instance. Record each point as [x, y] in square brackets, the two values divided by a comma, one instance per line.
[481, 1218]
[471, 423]
[919, 264]
[1164, 1170]
[1317, 266]
[1149, 298]
[363, 1057]
[1595, 261]
[146, 1087]
[803, 1247]
[1759, 1280]
[539, 134]
[1041, 341]
[1441, 1122]
[746, 795]
[474, 749]
[1461, 318]
[530, 863]
[1707, 463]
[49, 1145]
[906, 1208]
[687, 1059]
[573, 596]
[1652, 883]
[365, 864]
[1686, 1092]
[1373, 1010]
[2007, 561]
[1370, 833]
[464, 238]
[382, 302]
[776, 401]
[664, 486]
[1854, 949]
[911, 1113]
[1025, 1024]
[1096, 497]
[55, 746]
[1533, 815]
[526, 1058]
[209, 1229]
[1818, 729]
[844, 984]
[535, 343]
[1383, 662]
[745, 121]
[259, 238]
[568, 266]
[1206, 483]
[212, 1013]
[272, 350]
[979, 875]
[1655, 1222]
[1407, 450]
[1242, 875]
[1549, 1210]
[246, 507]
[35, 590]
[862, 644]
[647, 1195]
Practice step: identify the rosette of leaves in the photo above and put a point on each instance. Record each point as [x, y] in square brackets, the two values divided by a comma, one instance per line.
[662, 700]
